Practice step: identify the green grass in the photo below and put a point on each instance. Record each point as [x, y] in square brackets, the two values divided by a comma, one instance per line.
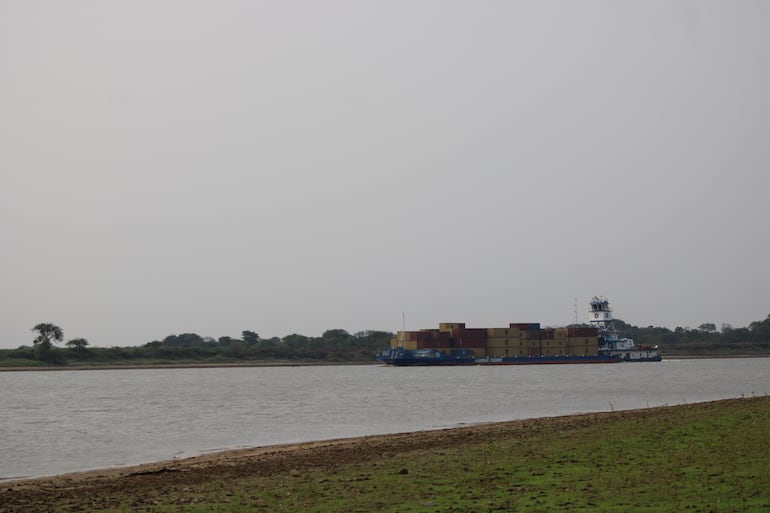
[713, 457]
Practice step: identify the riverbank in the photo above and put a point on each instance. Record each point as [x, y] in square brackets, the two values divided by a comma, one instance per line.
[268, 363]
[716, 452]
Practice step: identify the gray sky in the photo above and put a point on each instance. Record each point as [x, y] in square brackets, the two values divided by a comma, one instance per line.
[283, 166]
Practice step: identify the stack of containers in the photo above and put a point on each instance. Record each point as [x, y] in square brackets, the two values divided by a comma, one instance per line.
[474, 339]
[506, 342]
[581, 341]
[529, 335]
[547, 344]
[423, 339]
[518, 339]
[560, 341]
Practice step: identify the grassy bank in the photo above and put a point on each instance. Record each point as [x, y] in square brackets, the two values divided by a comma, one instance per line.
[704, 457]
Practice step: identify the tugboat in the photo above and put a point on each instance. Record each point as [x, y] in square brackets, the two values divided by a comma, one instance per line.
[600, 317]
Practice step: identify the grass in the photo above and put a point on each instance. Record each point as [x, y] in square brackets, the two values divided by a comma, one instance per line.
[711, 457]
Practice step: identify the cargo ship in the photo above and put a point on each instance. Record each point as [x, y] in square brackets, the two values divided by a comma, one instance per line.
[518, 344]
[600, 317]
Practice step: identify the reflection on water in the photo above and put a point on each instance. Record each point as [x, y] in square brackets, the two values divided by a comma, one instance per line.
[64, 421]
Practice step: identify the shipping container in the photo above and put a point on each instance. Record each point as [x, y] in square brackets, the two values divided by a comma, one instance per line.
[474, 333]
[470, 342]
[406, 344]
[502, 332]
[581, 340]
[582, 332]
[500, 341]
[423, 336]
[432, 344]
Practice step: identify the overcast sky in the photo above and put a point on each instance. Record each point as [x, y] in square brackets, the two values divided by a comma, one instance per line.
[292, 167]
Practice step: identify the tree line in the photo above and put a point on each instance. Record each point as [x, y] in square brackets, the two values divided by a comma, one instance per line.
[705, 340]
[337, 345]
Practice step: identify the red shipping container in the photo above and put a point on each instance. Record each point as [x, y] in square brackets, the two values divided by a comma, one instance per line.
[474, 333]
[422, 336]
[432, 344]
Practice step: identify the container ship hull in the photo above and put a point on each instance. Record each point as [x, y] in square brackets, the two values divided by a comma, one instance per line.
[429, 357]
[636, 355]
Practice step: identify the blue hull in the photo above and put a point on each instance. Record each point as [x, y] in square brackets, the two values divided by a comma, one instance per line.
[431, 357]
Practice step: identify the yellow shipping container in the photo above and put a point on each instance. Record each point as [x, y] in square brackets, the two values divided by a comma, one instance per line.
[583, 340]
[503, 332]
[406, 344]
[505, 342]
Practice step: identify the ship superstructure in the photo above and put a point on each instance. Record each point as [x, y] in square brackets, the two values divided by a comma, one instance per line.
[600, 317]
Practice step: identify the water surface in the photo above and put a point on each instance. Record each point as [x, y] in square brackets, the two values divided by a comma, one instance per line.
[65, 421]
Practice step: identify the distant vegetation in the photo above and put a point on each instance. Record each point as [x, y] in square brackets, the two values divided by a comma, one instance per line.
[337, 345]
[705, 340]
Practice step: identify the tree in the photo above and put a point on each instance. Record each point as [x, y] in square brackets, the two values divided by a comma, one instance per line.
[226, 341]
[183, 340]
[337, 337]
[249, 337]
[43, 343]
[78, 346]
[47, 333]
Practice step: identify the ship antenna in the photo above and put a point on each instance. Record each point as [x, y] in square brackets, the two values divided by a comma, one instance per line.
[403, 329]
[576, 315]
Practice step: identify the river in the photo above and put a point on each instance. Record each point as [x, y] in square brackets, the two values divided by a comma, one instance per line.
[54, 422]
